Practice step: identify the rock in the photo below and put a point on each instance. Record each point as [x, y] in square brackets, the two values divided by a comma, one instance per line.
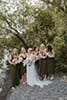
[61, 98]
[1, 90]
[65, 78]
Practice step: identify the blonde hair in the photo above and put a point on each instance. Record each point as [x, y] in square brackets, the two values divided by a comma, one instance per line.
[42, 46]
[14, 52]
[23, 50]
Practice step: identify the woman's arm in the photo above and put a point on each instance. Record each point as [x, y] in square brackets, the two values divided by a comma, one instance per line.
[10, 60]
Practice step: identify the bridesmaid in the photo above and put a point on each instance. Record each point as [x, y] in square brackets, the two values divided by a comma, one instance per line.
[14, 68]
[23, 55]
[50, 62]
[43, 61]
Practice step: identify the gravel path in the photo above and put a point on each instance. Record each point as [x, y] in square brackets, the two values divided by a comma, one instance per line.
[55, 91]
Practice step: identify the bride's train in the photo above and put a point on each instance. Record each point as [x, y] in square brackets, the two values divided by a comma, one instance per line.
[32, 75]
[33, 78]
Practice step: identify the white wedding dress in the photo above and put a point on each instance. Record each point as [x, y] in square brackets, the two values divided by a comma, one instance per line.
[32, 76]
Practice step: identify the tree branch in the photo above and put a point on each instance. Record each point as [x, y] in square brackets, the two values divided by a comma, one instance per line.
[16, 33]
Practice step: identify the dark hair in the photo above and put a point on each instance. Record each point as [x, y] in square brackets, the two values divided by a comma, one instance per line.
[49, 48]
[34, 48]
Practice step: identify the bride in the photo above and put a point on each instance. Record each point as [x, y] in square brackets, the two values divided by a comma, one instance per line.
[32, 76]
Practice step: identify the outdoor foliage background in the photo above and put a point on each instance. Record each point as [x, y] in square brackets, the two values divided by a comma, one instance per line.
[23, 24]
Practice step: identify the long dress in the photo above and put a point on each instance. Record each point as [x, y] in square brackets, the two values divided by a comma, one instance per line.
[50, 63]
[32, 76]
[15, 73]
[22, 68]
[43, 67]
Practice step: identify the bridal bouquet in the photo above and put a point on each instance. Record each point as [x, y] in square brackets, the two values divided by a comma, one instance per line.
[25, 62]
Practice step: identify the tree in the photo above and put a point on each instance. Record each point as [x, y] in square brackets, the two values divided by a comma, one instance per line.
[61, 5]
[15, 22]
[24, 25]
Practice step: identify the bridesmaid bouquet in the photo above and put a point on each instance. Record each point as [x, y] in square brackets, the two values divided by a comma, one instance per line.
[17, 60]
[14, 61]
[20, 59]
